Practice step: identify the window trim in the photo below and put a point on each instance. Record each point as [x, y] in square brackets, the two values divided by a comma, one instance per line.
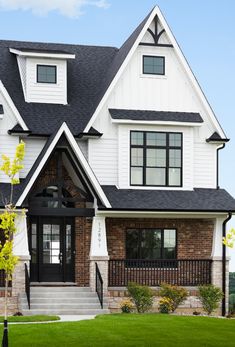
[46, 65]
[162, 242]
[151, 73]
[167, 147]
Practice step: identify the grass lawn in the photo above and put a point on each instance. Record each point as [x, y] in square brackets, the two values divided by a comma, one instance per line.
[128, 330]
[35, 318]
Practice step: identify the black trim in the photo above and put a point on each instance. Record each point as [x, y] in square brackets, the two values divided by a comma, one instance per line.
[70, 212]
[156, 35]
[154, 45]
[167, 147]
[154, 73]
[1, 109]
[224, 264]
[20, 132]
[51, 66]
[217, 165]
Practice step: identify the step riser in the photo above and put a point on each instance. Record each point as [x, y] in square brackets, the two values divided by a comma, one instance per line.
[60, 289]
[62, 295]
[65, 301]
[64, 312]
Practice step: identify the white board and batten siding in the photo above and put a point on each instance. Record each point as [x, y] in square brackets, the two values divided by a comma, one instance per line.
[46, 92]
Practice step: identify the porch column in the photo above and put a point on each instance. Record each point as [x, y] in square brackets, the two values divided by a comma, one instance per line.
[99, 252]
[217, 267]
[21, 249]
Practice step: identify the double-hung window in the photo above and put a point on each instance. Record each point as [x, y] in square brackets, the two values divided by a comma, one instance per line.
[156, 159]
[150, 244]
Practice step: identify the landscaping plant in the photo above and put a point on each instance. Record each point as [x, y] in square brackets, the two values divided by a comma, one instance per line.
[8, 260]
[210, 297]
[165, 305]
[142, 296]
[127, 306]
[176, 294]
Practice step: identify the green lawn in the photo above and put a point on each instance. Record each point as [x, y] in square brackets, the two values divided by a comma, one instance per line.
[128, 330]
[38, 318]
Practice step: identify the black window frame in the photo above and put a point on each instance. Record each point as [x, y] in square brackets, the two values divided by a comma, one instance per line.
[167, 167]
[140, 230]
[51, 66]
[153, 73]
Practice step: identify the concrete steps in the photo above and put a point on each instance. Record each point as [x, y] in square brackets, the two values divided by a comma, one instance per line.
[63, 301]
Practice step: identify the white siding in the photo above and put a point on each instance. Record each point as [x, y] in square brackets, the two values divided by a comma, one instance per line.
[22, 69]
[7, 143]
[204, 165]
[46, 92]
[83, 144]
[32, 149]
[103, 158]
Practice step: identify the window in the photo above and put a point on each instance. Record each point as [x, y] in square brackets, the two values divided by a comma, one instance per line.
[46, 74]
[156, 159]
[150, 244]
[153, 65]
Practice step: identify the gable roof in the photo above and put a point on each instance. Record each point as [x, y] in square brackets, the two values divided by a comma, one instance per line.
[199, 199]
[87, 92]
[45, 154]
[189, 117]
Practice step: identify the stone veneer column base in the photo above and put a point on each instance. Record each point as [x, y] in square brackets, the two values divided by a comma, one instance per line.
[102, 263]
[216, 277]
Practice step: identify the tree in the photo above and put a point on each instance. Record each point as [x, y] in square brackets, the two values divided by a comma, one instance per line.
[229, 240]
[8, 260]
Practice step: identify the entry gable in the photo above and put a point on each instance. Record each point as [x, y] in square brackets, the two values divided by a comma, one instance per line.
[77, 162]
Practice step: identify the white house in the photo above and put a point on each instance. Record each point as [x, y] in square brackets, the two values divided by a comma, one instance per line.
[120, 180]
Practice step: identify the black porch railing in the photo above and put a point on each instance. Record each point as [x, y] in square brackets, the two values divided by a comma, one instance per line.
[182, 272]
[27, 284]
[99, 284]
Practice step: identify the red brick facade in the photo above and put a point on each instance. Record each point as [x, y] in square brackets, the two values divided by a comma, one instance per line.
[194, 236]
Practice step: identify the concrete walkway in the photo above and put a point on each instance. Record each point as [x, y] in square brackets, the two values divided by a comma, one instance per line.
[67, 318]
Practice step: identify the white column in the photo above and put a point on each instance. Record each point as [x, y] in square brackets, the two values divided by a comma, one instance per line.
[21, 249]
[99, 252]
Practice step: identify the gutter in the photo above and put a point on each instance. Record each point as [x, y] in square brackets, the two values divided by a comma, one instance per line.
[224, 264]
[217, 164]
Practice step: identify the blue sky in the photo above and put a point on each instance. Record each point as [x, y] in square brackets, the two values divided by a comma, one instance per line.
[205, 31]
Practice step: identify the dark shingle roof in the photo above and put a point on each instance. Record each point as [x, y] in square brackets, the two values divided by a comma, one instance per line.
[156, 115]
[216, 200]
[1, 109]
[215, 137]
[89, 76]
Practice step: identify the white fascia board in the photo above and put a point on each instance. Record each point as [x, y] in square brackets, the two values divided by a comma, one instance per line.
[159, 214]
[202, 97]
[42, 55]
[12, 106]
[144, 122]
[64, 129]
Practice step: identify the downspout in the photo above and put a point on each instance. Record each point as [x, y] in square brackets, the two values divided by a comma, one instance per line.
[224, 265]
[217, 164]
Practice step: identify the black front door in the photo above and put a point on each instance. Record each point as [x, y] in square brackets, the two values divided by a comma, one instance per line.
[51, 241]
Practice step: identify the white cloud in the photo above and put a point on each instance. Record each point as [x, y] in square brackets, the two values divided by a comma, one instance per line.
[69, 8]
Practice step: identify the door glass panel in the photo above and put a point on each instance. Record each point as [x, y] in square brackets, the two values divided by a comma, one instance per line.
[34, 243]
[51, 243]
[68, 244]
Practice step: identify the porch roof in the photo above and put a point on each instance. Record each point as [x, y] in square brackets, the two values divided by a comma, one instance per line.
[199, 199]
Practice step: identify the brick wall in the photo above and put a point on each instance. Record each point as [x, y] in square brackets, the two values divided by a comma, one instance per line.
[194, 236]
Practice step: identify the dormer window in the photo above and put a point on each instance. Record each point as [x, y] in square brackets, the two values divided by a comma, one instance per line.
[46, 74]
[153, 65]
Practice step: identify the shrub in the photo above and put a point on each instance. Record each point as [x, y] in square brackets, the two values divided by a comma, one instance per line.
[175, 293]
[165, 305]
[232, 303]
[142, 296]
[127, 306]
[210, 297]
